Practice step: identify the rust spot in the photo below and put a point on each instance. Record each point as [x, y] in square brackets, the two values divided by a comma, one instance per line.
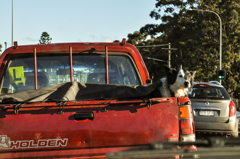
[37, 136]
[58, 136]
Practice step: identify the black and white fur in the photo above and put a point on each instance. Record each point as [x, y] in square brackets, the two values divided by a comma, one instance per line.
[177, 83]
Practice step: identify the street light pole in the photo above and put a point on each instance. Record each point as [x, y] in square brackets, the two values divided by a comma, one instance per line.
[12, 22]
[220, 47]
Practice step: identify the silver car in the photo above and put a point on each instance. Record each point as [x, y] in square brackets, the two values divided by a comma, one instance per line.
[214, 111]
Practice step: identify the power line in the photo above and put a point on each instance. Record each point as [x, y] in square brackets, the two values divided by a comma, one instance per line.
[169, 53]
[150, 58]
[153, 45]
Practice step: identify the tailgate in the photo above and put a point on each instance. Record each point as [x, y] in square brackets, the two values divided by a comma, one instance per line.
[78, 126]
[219, 108]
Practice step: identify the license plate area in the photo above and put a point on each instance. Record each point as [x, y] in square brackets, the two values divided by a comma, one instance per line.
[206, 113]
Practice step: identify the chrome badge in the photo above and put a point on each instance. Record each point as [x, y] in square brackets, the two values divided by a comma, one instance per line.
[207, 103]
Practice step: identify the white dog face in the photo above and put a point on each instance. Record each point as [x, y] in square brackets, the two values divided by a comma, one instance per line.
[183, 79]
[180, 78]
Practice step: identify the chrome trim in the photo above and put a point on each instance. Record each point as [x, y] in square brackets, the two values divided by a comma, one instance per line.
[206, 108]
[187, 138]
[206, 103]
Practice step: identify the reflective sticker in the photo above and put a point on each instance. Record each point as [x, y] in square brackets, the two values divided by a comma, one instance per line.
[6, 143]
[16, 74]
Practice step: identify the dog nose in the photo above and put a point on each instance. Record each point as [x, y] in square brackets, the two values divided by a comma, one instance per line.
[186, 84]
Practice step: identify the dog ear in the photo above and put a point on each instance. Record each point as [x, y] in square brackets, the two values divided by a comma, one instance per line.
[171, 74]
[193, 73]
[169, 69]
[192, 77]
[166, 68]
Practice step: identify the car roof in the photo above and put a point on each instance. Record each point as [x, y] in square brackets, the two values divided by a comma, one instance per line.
[210, 83]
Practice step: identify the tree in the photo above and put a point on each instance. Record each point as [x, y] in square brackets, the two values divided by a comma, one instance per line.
[116, 41]
[147, 49]
[45, 38]
[196, 35]
[136, 38]
[0, 47]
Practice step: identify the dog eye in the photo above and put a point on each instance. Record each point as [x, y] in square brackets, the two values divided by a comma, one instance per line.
[180, 76]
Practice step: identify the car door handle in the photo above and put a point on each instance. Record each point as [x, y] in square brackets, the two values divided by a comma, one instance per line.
[84, 116]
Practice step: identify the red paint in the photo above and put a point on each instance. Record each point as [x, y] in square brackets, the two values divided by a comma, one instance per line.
[39, 131]
[77, 47]
[83, 104]
[106, 61]
[15, 44]
[71, 69]
[203, 84]
[122, 125]
[124, 41]
[35, 67]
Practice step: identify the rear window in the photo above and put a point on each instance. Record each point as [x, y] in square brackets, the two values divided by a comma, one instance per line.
[52, 69]
[208, 92]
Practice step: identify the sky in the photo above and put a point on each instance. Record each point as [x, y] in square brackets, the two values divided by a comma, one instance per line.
[72, 20]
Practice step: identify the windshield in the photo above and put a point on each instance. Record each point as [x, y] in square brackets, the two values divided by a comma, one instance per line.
[52, 69]
[208, 93]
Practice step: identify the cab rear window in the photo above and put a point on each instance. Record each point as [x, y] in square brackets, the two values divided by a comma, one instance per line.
[52, 69]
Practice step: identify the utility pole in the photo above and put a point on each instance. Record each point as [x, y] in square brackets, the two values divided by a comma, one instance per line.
[169, 53]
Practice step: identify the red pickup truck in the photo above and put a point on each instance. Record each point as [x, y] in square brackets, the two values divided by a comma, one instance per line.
[83, 100]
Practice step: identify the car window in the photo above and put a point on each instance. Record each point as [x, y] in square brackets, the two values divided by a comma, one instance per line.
[208, 93]
[52, 69]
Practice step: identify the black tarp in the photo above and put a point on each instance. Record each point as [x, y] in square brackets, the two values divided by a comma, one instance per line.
[75, 91]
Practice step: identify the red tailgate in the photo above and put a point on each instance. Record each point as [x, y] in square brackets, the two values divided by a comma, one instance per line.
[124, 125]
[114, 123]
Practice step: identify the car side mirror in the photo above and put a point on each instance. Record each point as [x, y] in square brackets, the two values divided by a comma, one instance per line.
[148, 81]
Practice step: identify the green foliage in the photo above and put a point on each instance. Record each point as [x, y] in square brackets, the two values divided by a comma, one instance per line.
[136, 38]
[45, 38]
[0, 47]
[116, 41]
[196, 34]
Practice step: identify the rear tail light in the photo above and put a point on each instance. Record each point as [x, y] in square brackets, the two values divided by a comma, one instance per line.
[186, 120]
[232, 109]
[186, 123]
[202, 84]
[185, 112]
[187, 126]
